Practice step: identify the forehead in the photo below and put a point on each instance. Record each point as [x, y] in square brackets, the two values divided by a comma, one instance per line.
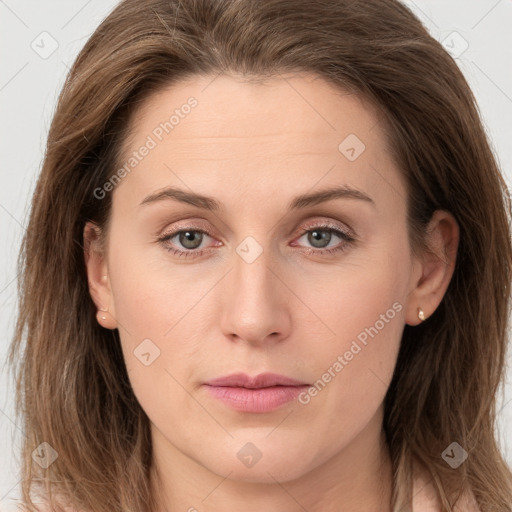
[241, 107]
[289, 130]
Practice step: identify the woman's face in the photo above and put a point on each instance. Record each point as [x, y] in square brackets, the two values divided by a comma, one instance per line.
[247, 265]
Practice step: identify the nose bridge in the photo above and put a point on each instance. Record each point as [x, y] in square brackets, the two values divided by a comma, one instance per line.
[255, 305]
[254, 280]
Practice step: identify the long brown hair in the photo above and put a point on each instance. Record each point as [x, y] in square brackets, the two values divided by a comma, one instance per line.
[73, 391]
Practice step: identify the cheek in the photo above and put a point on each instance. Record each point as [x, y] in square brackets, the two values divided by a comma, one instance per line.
[151, 295]
[364, 307]
[157, 310]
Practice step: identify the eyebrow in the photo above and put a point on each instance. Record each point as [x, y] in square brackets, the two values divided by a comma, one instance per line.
[299, 202]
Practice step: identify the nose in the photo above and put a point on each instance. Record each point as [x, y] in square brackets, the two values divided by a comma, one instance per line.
[255, 302]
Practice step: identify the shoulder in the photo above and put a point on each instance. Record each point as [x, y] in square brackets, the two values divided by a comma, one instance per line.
[424, 495]
[467, 503]
[40, 507]
[46, 508]
[425, 499]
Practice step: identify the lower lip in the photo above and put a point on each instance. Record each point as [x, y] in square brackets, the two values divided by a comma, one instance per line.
[256, 400]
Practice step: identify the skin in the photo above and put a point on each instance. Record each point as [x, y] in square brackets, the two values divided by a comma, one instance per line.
[253, 147]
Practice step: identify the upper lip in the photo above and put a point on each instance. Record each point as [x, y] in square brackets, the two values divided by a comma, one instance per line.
[263, 380]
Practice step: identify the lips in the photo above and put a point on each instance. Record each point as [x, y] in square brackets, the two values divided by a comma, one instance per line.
[263, 393]
[263, 380]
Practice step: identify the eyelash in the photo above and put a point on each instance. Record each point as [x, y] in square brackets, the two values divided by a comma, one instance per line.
[348, 239]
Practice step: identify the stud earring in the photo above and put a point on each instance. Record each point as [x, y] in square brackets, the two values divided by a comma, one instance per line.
[103, 317]
[421, 314]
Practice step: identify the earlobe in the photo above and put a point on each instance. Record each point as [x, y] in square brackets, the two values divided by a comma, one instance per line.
[105, 318]
[436, 267]
[97, 275]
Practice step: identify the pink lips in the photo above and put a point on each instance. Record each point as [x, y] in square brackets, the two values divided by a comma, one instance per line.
[263, 393]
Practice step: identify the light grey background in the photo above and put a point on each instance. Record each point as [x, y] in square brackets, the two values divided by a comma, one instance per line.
[32, 74]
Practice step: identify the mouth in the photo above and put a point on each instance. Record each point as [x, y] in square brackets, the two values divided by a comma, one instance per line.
[265, 392]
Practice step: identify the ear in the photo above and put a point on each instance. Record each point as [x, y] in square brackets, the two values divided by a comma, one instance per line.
[435, 269]
[97, 276]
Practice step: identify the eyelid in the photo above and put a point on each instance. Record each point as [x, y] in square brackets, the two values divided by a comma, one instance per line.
[184, 226]
[310, 224]
[329, 224]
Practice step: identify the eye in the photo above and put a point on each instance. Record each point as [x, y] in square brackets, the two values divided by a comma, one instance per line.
[320, 236]
[190, 239]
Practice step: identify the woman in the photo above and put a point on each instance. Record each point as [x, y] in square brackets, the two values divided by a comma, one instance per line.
[267, 267]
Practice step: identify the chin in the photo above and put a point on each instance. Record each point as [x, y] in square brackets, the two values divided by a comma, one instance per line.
[261, 462]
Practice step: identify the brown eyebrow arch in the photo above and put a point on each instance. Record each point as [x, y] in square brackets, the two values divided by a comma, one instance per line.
[341, 192]
[301, 201]
[177, 194]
